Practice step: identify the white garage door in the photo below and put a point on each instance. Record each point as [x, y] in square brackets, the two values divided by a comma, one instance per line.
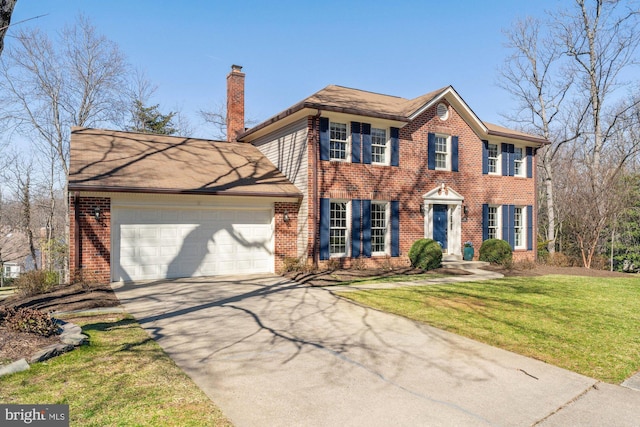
[157, 243]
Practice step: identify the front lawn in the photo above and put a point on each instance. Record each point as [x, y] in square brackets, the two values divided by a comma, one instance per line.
[588, 325]
[122, 378]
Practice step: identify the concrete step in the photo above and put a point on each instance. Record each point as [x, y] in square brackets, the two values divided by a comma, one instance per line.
[461, 264]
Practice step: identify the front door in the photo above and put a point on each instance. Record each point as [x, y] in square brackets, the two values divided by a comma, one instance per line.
[440, 225]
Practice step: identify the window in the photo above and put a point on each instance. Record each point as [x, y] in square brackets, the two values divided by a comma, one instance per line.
[338, 228]
[378, 227]
[441, 152]
[379, 145]
[493, 158]
[518, 164]
[338, 142]
[493, 221]
[518, 227]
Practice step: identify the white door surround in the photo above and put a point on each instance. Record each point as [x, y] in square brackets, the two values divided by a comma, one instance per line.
[445, 195]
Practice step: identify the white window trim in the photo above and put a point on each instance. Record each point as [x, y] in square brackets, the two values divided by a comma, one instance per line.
[387, 150]
[498, 159]
[448, 152]
[523, 228]
[387, 233]
[349, 220]
[523, 162]
[498, 222]
[347, 154]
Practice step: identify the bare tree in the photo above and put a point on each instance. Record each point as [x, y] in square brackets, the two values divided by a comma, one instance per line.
[217, 119]
[18, 177]
[531, 74]
[566, 74]
[601, 40]
[49, 88]
[6, 10]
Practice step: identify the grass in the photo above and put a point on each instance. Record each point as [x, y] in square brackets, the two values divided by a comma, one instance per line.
[122, 378]
[390, 279]
[584, 324]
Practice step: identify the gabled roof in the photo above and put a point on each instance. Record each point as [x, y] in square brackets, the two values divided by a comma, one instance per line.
[106, 160]
[370, 104]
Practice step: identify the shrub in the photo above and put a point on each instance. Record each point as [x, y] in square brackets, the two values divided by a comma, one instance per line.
[425, 254]
[36, 282]
[496, 251]
[31, 321]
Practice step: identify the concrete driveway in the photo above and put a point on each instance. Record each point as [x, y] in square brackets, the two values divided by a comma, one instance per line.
[271, 352]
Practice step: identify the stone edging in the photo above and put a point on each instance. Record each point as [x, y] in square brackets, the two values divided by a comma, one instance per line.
[70, 337]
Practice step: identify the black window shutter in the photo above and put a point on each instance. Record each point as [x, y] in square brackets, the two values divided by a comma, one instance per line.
[431, 151]
[512, 159]
[505, 223]
[485, 222]
[504, 149]
[485, 156]
[454, 154]
[395, 228]
[395, 146]
[366, 143]
[355, 142]
[508, 232]
[324, 138]
[356, 214]
[529, 162]
[529, 228]
[366, 228]
[325, 217]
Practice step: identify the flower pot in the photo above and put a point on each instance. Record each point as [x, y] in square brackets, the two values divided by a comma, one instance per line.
[467, 254]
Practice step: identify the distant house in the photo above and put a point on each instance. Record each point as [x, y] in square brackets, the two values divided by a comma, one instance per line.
[15, 255]
[344, 174]
[11, 270]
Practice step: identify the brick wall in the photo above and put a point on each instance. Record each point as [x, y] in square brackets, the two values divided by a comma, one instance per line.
[412, 179]
[235, 103]
[94, 239]
[286, 237]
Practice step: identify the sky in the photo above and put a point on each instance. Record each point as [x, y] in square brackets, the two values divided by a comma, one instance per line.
[291, 49]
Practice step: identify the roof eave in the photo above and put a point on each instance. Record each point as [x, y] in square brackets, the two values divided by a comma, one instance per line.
[528, 138]
[314, 108]
[449, 90]
[203, 192]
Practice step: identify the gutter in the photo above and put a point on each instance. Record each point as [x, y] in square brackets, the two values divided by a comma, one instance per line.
[138, 190]
[537, 140]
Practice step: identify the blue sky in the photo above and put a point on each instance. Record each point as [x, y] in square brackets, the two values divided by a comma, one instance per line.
[291, 49]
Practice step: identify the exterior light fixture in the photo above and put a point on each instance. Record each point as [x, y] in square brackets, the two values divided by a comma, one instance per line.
[465, 213]
[422, 209]
[285, 216]
[96, 213]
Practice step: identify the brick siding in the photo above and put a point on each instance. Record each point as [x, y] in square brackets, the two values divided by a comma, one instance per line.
[412, 179]
[95, 238]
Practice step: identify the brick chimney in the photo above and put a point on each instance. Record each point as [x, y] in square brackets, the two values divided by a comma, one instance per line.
[235, 103]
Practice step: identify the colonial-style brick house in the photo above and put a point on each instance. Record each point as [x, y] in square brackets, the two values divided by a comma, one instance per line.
[350, 175]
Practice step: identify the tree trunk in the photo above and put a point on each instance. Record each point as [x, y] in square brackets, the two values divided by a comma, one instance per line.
[6, 10]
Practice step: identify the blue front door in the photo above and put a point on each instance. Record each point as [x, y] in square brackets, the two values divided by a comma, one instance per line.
[440, 224]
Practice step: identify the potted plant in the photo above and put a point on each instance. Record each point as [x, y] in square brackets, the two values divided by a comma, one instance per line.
[467, 254]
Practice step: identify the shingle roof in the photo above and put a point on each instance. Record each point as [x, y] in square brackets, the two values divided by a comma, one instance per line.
[360, 102]
[105, 160]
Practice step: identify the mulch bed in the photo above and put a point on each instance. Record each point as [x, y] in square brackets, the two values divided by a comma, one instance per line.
[17, 345]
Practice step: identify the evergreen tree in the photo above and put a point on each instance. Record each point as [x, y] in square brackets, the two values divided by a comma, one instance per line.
[151, 120]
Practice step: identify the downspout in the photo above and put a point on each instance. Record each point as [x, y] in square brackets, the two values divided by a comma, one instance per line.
[316, 216]
[76, 227]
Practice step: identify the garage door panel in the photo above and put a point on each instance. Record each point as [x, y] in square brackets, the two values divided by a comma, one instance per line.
[172, 243]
